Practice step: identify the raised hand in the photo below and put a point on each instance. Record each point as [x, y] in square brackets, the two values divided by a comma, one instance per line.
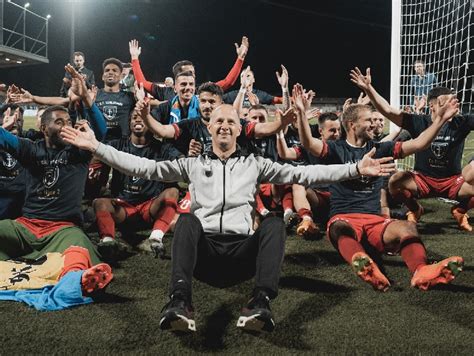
[363, 99]
[308, 96]
[134, 49]
[20, 96]
[78, 84]
[362, 81]
[143, 107]
[287, 117]
[346, 104]
[283, 77]
[448, 107]
[242, 49]
[82, 137]
[313, 113]
[420, 103]
[139, 91]
[9, 118]
[375, 167]
[253, 98]
[298, 97]
[195, 148]
[244, 78]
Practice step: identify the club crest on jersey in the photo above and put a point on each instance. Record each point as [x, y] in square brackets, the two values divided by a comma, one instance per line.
[439, 149]
[9, 162]
[110, 112]
[135, 179]
[51, 176]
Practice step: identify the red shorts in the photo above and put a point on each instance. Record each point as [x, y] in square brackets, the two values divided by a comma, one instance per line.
[369, 226]
[142, 209]
[184, 205]
[437, 187]
[272, 202]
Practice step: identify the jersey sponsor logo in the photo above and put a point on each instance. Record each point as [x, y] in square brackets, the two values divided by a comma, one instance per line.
[9, 162]
[51, 176]
[110, 112]
[439, 149]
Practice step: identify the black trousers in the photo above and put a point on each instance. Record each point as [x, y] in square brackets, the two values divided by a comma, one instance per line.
[221, 259]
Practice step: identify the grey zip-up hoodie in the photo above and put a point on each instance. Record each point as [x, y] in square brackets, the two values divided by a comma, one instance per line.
[223, 192]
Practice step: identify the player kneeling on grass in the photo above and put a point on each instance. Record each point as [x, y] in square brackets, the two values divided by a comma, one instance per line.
[217, 235]
[56, 175]
[355, 204]
[153, 201]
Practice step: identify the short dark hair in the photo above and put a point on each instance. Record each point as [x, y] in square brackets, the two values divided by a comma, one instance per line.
[352, 113]
[183, 74]
[126, 65]
[327, 116]
[438, 91]
[177, 68]
[258, 107]
[210, 87]
[419, 60]
[47, 115]
[77, 53]
[12, 106]
[112, 60]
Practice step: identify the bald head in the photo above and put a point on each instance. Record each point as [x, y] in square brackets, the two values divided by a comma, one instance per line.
[224, 110]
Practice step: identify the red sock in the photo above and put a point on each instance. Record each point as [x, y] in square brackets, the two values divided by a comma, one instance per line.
[105, 224]
[287, 200]
[348, 246]
[259, 203]
[305, 212]
[165, 215]
[75, 259]
[413, 253]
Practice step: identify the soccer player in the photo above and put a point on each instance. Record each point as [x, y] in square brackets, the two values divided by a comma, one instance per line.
[437, 170]
[56, 175]
[355, 204]
[217, 236]
[152, 201]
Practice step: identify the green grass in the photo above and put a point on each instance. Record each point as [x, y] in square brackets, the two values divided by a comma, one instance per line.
[323, 308]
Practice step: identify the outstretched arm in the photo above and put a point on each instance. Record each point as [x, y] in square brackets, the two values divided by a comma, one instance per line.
[155, 127]
[239, 99]
[447, 110]
[284, 151]
[283, 81]
[364, 82]
[282, 120]
[231, 78]
[135, 51]
[8, 141]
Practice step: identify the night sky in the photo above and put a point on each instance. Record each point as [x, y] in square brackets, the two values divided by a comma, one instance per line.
[318, 41]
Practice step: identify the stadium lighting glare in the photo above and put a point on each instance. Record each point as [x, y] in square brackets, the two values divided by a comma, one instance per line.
[7, 59]
[48, 16]
[27, 5]
[19, 62]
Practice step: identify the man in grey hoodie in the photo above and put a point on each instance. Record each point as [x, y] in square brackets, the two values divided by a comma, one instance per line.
[218, 234]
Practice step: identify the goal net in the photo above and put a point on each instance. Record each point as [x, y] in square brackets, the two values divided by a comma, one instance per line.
[431, 46]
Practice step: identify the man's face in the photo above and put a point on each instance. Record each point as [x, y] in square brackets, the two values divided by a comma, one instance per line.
[419, 68]
[169, 82]
[126, 71]
[224, 127]
[79, 61]
[257, 115]
[185, 87]
[251, 77]
[330, 130]
[52, 130]
[137, 126]
[207, 103]
[379, 121]
[364, 126]
[111, 75]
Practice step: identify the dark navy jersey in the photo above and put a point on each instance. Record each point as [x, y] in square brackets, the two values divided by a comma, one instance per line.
[443, 158]
[12, 175]
[116, 108]
[162, 93]
[359, 195]
[293, 141]
[55, 180]
[265, 147]
[137, 190]
[187, 130]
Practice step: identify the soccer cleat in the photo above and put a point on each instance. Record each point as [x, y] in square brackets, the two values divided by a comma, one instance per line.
[415, 216]
[257, 316]
[307, 228]
[442, 272]
[461, 218]
[369, 272]
[95, 278]
[178, 315]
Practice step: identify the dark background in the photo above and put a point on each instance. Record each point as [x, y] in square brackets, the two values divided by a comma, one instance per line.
[318, 41]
